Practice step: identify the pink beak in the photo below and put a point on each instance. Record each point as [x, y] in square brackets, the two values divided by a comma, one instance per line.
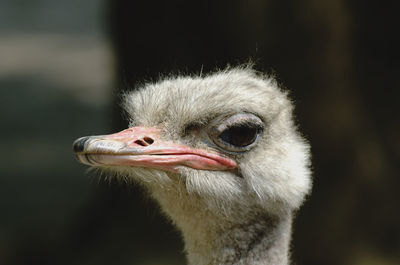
[142, 147]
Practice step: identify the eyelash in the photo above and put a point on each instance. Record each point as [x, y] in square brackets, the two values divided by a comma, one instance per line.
[238, 133]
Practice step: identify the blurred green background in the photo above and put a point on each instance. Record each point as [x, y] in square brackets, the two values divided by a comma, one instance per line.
[63, 63]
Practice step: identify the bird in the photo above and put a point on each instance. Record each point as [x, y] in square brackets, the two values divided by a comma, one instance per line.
[222, 156]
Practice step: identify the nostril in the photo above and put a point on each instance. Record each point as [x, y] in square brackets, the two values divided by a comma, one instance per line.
[140, 142]
[148, 140]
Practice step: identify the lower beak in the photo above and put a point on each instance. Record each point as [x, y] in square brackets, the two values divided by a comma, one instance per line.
[142, 147]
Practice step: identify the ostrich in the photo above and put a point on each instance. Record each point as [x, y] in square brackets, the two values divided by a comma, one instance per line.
[222, 157]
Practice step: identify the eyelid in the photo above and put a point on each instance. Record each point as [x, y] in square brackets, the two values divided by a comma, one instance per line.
[240, 119]
[221, 125]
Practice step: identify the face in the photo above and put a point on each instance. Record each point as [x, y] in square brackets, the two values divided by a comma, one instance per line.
[227, 138]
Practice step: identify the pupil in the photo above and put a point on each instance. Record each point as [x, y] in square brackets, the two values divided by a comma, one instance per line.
[239, 135]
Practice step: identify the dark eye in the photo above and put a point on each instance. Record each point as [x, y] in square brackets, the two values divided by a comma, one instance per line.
[237, 133]
[240, 136]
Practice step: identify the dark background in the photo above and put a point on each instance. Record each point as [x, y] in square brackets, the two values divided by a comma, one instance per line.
[63, 63]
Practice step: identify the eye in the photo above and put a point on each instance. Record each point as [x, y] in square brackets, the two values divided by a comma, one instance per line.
[237, 133]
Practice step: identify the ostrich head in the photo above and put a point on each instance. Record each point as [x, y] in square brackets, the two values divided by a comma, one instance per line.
[218, 153]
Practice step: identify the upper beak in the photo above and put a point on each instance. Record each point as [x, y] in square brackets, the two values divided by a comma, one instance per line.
[142, 147]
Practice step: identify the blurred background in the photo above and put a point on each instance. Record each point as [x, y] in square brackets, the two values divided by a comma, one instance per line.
[63, 63]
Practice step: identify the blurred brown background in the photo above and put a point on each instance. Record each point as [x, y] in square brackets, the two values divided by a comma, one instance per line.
[63, 63]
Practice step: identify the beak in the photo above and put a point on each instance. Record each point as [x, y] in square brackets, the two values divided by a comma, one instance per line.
[143, 147]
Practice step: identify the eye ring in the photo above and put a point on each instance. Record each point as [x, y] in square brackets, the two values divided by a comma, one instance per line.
[237, 133]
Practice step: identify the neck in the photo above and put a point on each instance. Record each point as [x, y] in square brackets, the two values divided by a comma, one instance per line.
[261, 241]
[212, 239]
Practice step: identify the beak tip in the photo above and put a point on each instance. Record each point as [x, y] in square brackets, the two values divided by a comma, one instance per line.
[79, 145]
